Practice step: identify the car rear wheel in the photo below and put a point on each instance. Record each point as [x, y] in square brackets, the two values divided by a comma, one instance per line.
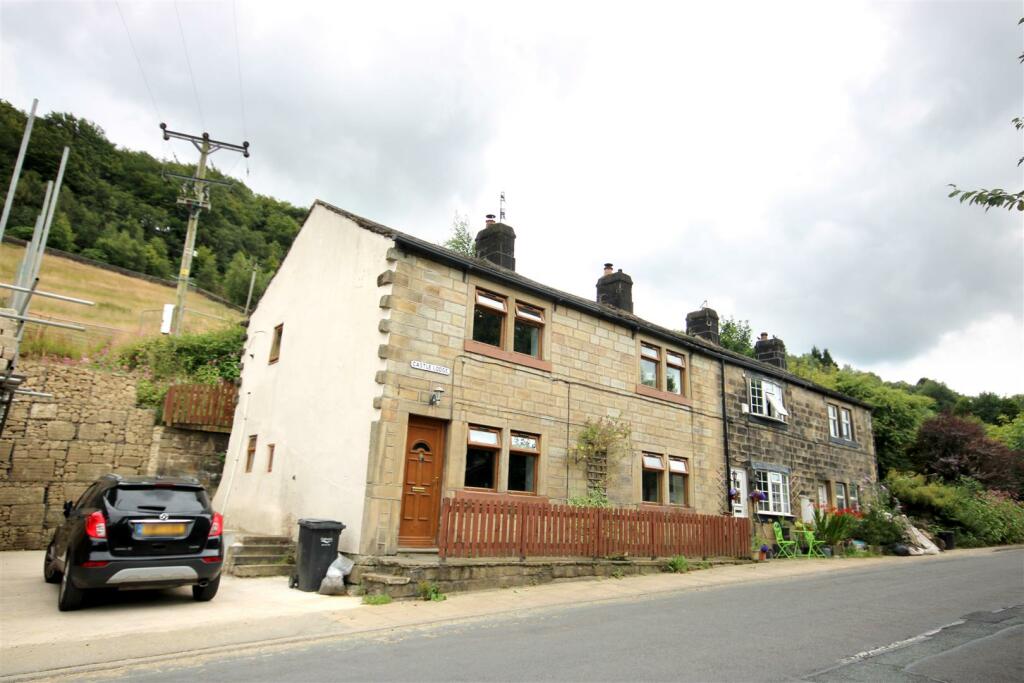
[70, 597]
[206, 593]
[50, 575]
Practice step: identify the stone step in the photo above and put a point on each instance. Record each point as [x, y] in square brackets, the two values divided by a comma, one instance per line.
[254, 570]
[241, 560]
[264, 549]
[264, 540]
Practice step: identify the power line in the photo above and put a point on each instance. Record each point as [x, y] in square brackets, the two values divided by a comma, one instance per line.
[138, 61]
[195, 90]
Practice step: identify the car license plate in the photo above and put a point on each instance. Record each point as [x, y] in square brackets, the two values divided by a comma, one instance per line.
[162, 529]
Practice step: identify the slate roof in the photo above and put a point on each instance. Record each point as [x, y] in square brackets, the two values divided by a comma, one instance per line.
[610, 313]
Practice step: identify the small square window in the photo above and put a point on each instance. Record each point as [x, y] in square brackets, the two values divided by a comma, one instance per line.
[275, 345]
[677, 477]
[489, 318]
[524, 454]
[653, 467]
[480, 465]
[270, 458]
[650, 364]
[833, 421]
[845, 424]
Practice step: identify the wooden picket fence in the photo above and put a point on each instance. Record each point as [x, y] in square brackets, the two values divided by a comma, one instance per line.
[473, 527]
[209, 407]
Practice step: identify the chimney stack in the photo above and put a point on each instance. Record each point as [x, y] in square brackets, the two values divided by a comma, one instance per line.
[771, 351]
[703, 324]
[497, 243]
[615, 289]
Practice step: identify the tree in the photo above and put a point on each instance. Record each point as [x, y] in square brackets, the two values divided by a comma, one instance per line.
[737, 335]
[998, 198]
[1009, 432]
[461, 241]
[826, 359]
[204, 269]
[944, 397]
[61, 235]
[952, 448]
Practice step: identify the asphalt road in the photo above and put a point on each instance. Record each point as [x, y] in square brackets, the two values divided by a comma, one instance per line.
[819, 628]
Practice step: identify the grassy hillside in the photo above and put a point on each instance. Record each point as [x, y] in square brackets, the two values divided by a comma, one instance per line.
[126, 309]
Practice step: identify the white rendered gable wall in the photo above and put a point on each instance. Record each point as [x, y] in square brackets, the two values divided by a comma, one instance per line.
[315, 404]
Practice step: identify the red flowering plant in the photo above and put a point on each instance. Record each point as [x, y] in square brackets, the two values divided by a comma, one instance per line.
[835, 526]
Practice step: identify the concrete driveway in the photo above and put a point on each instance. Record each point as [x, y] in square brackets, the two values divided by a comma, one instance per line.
[35, 636]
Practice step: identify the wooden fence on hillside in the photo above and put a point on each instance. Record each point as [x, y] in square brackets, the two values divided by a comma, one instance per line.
[206, 407]
[473, 527]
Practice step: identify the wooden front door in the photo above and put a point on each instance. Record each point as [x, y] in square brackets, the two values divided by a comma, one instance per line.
[421, 489]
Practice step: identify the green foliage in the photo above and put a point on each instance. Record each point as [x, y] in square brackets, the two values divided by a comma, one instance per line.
[462, 240]
[593, 499]
[618, 574]
[977, 517]
[944, 397]
[598, 443]
[1009, 432]
[989, 407]
[953, 447]
[878, 526]
[238, 276]
[115, 206]
[834, 527]
[678, 565]
[207, 358]
[431, 591]
[376, 599]
[737, 335]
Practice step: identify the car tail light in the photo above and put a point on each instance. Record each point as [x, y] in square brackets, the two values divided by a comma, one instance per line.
[95, 564]
[96, 525]
[217, 525]
[212, 560]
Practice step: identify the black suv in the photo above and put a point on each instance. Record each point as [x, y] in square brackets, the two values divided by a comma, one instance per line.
[136, 533]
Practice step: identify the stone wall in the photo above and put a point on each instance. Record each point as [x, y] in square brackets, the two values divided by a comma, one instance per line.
[53, 448]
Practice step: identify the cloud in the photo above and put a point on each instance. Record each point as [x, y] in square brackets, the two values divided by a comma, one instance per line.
[787, 163]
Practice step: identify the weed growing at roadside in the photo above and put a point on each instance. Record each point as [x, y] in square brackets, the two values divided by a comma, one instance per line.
[678, 565]
[618, 574]
[431, 591]
[376, 599]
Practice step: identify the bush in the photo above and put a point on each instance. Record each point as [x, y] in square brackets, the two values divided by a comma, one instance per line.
[431, 591]
[678, 565]
[878, 527]
[834, 527]
[209, 357]
[976, 516]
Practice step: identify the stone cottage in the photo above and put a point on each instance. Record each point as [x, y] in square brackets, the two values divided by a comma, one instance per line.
[383, 373]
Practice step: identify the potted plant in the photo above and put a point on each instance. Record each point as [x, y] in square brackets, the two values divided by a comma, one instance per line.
[763, 554]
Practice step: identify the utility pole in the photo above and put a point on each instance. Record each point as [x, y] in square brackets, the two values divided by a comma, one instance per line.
[195, 194]
[252, 284]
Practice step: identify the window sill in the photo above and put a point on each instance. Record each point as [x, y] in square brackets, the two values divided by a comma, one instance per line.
[767, 419]
[838, 441]
[500, 496]
[651, 392]
[474, 346]
[272, 361]
[761, 513]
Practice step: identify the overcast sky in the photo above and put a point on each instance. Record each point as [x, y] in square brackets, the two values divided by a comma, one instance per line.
[785, 162]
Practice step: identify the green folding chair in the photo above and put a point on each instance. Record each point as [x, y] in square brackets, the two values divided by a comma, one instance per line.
[786, 548]
[813, 544]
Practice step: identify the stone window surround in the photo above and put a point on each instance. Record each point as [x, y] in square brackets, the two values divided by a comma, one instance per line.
[638, 470]
[651, 392]
[503, 353]
[459, 443]
[839, 440]
[786, 485]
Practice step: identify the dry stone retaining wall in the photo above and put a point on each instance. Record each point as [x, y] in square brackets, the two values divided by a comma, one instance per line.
[53, 448]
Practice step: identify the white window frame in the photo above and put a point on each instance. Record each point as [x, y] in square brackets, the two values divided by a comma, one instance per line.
[846, 424]
[833, 421]
[854, 494]
[766, 399]
[776, 486]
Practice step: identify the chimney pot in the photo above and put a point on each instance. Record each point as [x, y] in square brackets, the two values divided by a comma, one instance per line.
[607, 269]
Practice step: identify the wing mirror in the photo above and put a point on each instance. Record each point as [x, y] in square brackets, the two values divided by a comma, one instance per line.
[67, 508]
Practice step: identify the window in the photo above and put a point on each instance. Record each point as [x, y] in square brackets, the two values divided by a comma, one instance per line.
[650, 363]
[824, 501]
[677, 475]
[854, 496]
[524, 452]
[270, 458]
[662, 369]
[489, 318]
[654, 466]
[275, 345]
[482, 457]
[775, 486]
[766, 399]
[674, 370]
[840, 495]
[526, 334]
[845, 424]
[250, 453]
[833, 421]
